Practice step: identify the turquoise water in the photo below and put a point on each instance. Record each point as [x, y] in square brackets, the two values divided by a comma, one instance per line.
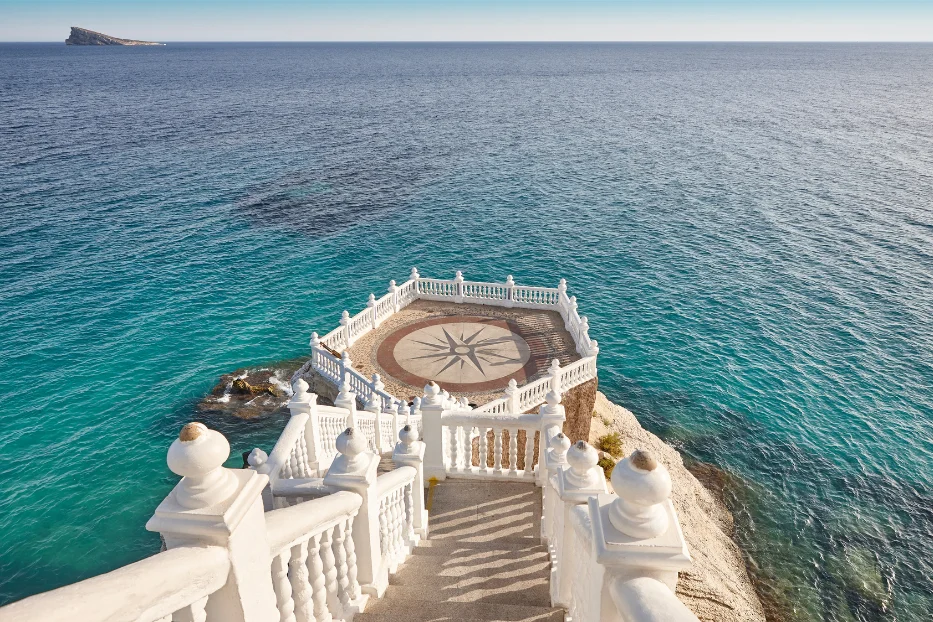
[748, 228]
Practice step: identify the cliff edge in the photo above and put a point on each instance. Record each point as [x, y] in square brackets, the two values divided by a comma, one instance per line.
[717, 588]
[83, 36]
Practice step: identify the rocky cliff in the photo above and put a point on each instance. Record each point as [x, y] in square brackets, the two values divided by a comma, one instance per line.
[83, 36]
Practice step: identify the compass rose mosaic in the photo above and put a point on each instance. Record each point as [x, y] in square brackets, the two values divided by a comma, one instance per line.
[460, 353]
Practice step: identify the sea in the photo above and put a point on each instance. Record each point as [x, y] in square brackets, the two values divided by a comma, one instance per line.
[748, 227]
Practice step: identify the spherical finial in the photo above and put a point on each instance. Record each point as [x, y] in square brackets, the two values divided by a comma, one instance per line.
[459, 277]
[345, 317]
[198, 455]
[562, 286]
[352, 445]
[513, 384]
[582, 458]
[402, 408]
[559, 444]
[300, 386]
[407, 436]
[414, 274]
[510, 280]
[315, 340]
[643, 485]
[392, 286]
[257, 458]
[192, 431]
[371, 302]
[552, 398]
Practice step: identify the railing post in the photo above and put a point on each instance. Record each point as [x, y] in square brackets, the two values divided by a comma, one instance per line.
[346, 398]
[374, 405]
[222, 507]
[304, 402]
[355, 470]
[552, 415]
[458, 284]
[432, 431]
[345, 324]
[414, 276]
[555, 460]
[509, 286]
[636, 532]
[554, 371]
[574, 486]
[511, 394]
[393, 289]
[568, 322]
[371, 305]
[409, 451]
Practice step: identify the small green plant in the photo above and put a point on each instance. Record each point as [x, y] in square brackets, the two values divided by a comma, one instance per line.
[606, 464]
[595, 414]
[610, 443]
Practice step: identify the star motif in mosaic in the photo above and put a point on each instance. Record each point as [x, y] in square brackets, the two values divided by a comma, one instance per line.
[462, 352]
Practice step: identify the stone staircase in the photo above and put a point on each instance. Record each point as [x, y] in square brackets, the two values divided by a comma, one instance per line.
[484, 560]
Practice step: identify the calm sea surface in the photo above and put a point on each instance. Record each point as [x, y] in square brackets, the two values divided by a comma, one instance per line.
[748, 227]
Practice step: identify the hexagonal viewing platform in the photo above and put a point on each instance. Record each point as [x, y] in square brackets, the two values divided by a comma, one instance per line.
[472, 339]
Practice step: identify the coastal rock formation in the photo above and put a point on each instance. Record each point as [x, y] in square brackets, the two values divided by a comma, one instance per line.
[83, 36]
[717, 588]
[251, 392]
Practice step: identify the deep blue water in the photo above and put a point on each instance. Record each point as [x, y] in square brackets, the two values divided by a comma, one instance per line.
[748, 227]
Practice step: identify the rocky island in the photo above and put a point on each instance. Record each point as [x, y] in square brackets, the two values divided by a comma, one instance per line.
[83, 36]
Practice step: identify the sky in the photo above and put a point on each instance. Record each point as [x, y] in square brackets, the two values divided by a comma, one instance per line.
[472, 20]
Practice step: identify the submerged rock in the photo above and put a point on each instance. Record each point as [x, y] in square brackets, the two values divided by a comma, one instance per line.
[252, 392]
[83, 36]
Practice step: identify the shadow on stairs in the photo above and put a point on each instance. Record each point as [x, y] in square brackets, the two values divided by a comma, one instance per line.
[484, 560]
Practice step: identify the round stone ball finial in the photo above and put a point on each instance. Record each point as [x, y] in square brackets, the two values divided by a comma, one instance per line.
[345, 317]
[300, 387]
[582, 458]
[643, 486]
[458, 278]
[315, 340]
[392, 285]
[552, 398]
[414, 274]
[351, 444]
[371, 302]
[510, 280]
[562, 286]
[198, 455]
[407, 437]
[560, 444]
[257, 458]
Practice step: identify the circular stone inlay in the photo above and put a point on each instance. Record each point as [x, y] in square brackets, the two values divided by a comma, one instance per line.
[461, 353]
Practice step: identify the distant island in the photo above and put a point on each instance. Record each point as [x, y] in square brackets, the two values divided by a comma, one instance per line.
[83, 36]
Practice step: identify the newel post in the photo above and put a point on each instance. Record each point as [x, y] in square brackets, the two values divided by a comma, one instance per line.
[574, 486]
[346, 398]
[354, 469]
[371, 305]
[304, 402]
[511, 394]
[552, 415]
[409, 451]
[393, 289]
[212, 505]
[636, 533]
[458, 284]
[415, 278]
[345, 325]
[432, 431]
[509, 286]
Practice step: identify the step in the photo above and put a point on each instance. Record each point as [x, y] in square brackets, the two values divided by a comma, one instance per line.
[388, 610]
[501, 543]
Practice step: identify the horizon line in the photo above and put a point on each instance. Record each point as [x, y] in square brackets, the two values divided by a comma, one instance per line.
[537, 41]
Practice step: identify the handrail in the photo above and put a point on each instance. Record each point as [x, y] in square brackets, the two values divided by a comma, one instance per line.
[144, 591]
[471, 418]
[645, 599]
[286, 526]
[282, 452]
[387, 482]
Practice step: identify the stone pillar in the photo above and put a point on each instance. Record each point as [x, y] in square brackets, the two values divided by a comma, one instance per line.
[432, 406]
[409, 451]
[574, 486]
[371, 305]
[511, 394]
[347, 399]
[355, 470]
[304, 402]
[212, 505]
[555, 459]
[552, 422]
[509, 286]
[345, 325]
[414, 276]
[636, 533]
[458, 284]
[393, 290]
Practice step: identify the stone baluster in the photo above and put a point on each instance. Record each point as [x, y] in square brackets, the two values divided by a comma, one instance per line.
[353, 585]
[283, 587]
[509, 286]
[409, 451]
[454, 452]
[513, 450]
[497, 450]
[432, 406]
[345, 326]
[574, 486]
[393, 290]
[318, 580]
[302, 584]
[340, 565]
[329, 560]
[458, 285]
[371, 305]
[355, 470]
[483, 450]
[530, 453]
[212, 505]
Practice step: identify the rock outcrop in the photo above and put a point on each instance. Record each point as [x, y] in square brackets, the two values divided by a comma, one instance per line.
[83, 36]
[717, 588]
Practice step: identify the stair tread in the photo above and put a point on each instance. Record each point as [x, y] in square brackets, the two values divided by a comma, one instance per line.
[388, 609]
